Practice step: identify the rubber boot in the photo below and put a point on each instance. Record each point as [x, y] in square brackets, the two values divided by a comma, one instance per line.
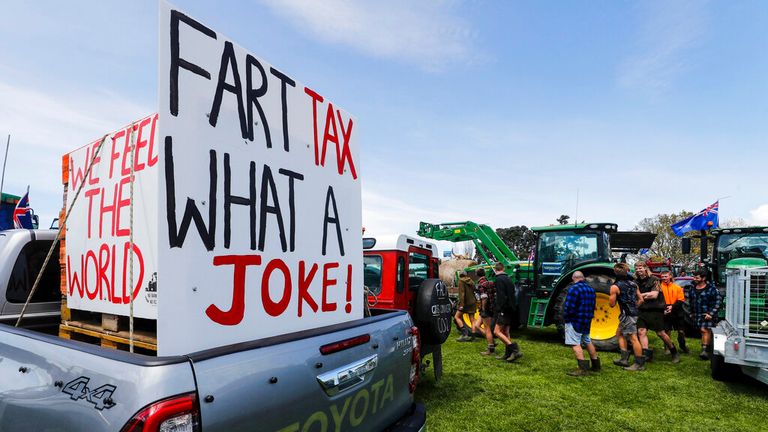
[582, 370]
[596, 365]
[638, 365]
[491, 349]
[515, 353]
[624, 360]
[648, 354]
[681, 342]
[675, 354]
[507, 352]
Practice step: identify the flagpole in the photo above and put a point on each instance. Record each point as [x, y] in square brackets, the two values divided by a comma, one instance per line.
[2, 177]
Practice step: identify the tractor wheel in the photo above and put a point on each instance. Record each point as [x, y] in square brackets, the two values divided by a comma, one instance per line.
[469, 319]
[606, 319]
[433, 312]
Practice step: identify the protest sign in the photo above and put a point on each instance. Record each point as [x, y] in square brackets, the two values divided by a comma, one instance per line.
[259, 196]
[98, 251]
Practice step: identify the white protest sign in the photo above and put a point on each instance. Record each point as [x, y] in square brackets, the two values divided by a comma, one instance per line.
[260, 208]
[98, 228]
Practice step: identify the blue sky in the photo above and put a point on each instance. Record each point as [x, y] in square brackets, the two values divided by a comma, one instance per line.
[496, 112]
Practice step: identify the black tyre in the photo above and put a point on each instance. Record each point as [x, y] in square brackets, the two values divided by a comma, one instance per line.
[433, 312]
[722, 371]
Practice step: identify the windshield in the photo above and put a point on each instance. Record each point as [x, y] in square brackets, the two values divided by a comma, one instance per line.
[739, 245]
[567, 247]
[749, 245]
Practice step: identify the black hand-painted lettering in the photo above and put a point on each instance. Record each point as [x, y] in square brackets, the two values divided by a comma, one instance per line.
[330, 198]
[191, 212]
[252, 97]
[284, 81]
[178, 62]
[268, 187]
[291, 203]
[230, 199]
[229, 62]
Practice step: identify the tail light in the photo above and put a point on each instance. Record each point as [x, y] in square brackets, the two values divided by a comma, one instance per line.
[177, 414]
[415, 360]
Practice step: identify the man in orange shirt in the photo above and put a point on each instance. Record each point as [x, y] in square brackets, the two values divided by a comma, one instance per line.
[673, 314]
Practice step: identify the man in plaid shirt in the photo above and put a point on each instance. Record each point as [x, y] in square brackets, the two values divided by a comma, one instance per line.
[578, 310]
[705, 302]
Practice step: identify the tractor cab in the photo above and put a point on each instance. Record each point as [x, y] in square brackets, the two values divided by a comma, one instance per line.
[738, 248]
[562, 248]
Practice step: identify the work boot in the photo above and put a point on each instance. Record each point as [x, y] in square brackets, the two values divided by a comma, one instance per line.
[515, 353]
[596, 365]
[648, 354]
[507, 352]
[582, 370]
[638, 365]
[675, 354]
[624, 360]
[704, 354]
[681, 341]
[491, 349]
[666, 350]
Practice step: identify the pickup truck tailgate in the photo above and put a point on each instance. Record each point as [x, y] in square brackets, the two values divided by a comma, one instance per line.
[49, 384]
[286, 384]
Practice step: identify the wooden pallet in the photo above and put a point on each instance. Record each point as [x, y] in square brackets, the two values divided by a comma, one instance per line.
[86, 332]
[107, 330]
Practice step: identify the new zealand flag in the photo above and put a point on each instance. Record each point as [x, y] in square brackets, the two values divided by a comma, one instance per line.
[22, 215]
[703, 220]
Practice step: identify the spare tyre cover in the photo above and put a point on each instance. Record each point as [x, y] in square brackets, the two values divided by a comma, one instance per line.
[433, 312]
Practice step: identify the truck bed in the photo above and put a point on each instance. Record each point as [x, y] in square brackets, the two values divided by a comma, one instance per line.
[282, 383]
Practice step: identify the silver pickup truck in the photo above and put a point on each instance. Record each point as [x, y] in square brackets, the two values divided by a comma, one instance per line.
[358, 375]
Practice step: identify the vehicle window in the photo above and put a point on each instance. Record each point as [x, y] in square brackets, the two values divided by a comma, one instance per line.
[25, 271]
[567, 246]
[418, 268]
[400, 274]
[372, 273]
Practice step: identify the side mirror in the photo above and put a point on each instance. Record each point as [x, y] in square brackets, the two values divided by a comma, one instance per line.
[685, 245]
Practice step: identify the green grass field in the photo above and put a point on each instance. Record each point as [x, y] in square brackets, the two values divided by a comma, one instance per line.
[479, 393]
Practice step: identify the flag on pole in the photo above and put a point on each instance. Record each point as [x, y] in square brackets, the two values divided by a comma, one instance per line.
[22, 215]
[703, 220]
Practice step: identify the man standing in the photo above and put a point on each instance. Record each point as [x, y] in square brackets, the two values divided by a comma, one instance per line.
[625, 292]
[487, 293]
[705, 302]
[505, 305]
[673, 314]
[578, 311]
[466, 305]
[651, 312]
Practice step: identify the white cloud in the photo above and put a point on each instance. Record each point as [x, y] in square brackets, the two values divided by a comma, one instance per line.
[428, 34]
[670, 29]
[44, 126]
[759, 216]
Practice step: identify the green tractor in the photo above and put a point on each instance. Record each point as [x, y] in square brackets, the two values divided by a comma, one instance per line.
[733, 248]
[542, 280]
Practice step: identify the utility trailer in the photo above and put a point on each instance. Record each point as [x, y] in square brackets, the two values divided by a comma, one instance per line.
[740, 342]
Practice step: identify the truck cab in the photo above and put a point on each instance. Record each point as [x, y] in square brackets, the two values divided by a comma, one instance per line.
[404, 275]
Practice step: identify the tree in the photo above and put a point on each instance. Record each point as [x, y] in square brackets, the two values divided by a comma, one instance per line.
[733, 223]
[667, 244]
[563, 219]
[519, 238]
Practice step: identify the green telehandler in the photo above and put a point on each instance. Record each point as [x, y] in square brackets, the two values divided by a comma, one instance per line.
[542, 280]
